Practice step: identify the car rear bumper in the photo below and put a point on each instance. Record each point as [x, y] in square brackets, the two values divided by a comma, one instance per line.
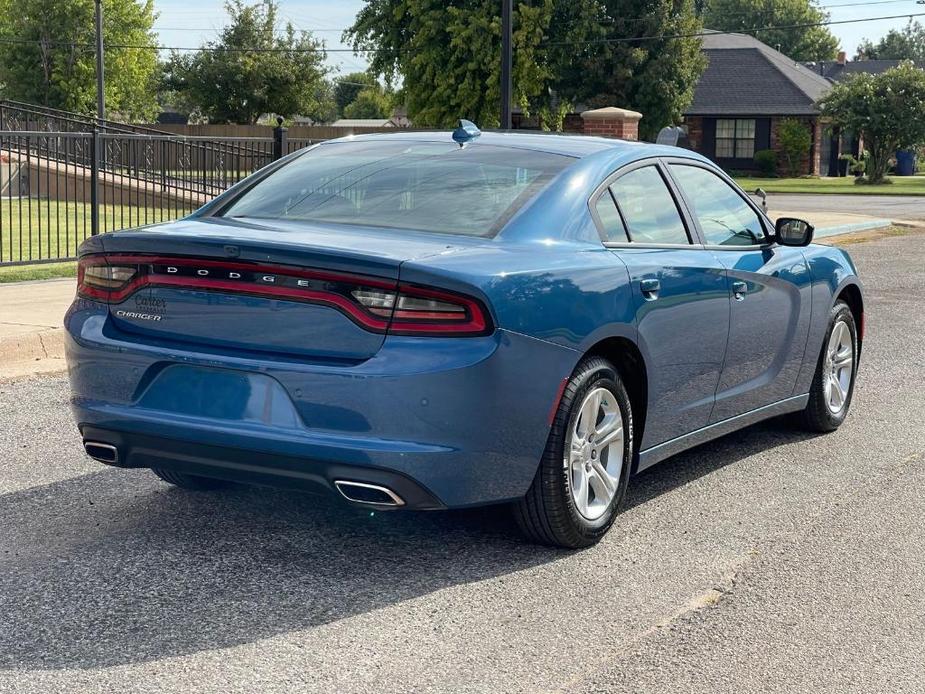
[451, 422]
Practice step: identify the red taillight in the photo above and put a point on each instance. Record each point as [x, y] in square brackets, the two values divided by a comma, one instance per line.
[375, 304]
[421, 310]
[99, 280]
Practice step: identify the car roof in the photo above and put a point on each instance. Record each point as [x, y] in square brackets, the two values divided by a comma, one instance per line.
[573, 145]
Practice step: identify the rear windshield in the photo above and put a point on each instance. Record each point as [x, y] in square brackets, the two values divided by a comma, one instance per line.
[427, 186]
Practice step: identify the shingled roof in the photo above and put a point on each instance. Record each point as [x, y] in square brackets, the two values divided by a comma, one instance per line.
[745, 77]
[834, 71]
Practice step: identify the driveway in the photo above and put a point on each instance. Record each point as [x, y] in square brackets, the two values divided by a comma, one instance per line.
[770, 560]
[888, 206]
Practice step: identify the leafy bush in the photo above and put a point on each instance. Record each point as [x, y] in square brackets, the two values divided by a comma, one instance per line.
[766, 161]
[794, 141]
[855, 166]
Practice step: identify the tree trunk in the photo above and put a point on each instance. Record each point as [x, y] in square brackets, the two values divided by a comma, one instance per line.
[878, 161]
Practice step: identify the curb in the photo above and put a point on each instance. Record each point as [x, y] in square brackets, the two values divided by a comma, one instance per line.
[37, 352]
[868, 225]
[41, 344]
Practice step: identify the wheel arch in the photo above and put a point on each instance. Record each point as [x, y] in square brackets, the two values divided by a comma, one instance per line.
[851, 294]
[626, 356]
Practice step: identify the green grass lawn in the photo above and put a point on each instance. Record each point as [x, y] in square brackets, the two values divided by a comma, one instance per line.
[901, 185]
[45, 271]
[50, 229]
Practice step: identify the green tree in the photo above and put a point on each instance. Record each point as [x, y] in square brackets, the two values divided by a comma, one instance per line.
[447, 54]
[347, 87]
[755, 17]
[907, 43]
[229, 82]
[794, 140]
[372, 102]
[887, 110]
[50, 56]
[609, 53]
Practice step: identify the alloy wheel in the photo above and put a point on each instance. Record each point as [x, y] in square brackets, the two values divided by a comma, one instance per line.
[839, 367]
[594, 456]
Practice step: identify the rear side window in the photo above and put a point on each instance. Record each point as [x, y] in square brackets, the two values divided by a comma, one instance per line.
[648, 207]
[610, 218]
[724, 217]
[426, 186]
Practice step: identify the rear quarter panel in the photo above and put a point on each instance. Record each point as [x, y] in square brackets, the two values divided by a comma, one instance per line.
[568, 294]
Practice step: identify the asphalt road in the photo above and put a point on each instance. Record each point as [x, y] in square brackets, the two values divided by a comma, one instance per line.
[769, 560]
[894, 207]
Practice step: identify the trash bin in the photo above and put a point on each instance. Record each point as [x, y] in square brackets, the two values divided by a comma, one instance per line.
[905, 162]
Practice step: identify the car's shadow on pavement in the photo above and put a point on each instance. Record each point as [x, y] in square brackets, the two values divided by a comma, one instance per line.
[114, 567]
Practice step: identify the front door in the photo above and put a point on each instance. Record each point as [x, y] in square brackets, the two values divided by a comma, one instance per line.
[680, 297]
[770, 290]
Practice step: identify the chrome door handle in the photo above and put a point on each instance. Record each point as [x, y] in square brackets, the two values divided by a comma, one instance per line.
[739, 290]
[650, 289]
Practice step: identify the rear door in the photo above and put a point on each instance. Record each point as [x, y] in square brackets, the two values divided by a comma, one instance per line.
[769, 286]
[680, 297]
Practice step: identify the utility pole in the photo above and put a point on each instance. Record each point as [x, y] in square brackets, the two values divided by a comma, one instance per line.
[506, 59]
[100, 81]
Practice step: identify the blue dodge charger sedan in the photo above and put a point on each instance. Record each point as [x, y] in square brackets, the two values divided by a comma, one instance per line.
[437, 320]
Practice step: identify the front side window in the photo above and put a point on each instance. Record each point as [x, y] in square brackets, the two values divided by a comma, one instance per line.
[425, 186]
[724, 217]
[735, 138]
[648, 207]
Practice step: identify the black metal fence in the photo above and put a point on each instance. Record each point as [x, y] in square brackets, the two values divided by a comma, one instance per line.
[59, 187]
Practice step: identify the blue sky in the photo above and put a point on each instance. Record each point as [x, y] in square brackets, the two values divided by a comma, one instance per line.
[185, 23]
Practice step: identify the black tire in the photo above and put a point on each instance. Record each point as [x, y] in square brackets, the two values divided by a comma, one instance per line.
[191, 482]
[548, 513]
[818, 416]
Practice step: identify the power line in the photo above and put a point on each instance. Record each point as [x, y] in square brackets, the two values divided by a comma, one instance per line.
[312, 31]
[822, 6]
[702, 34]
[628, 39]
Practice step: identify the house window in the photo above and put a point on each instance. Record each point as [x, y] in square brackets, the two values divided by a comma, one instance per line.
[735, 138]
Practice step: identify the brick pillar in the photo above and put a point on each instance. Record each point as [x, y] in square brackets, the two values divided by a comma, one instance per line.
[818, 134]
[611, 122]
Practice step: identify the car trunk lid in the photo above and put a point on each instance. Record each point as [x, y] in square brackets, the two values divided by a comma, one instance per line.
[245, 285]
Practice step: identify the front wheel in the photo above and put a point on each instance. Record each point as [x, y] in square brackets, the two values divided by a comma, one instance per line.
[833, 385]
[582, 477]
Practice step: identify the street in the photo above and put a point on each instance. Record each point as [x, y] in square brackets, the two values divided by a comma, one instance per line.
[896, 207]
[769, 560]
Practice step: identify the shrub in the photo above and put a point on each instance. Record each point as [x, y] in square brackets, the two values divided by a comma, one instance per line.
[794, 141]
[766, 161]
[855, 166]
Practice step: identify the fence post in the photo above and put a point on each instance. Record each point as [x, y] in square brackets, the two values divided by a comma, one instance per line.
[95, 182]
[280, 139]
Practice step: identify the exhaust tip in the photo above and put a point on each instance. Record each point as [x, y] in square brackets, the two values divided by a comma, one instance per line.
[369, 494]
[103, 452]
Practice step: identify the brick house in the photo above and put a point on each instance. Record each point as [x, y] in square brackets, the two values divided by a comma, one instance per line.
[747, 89]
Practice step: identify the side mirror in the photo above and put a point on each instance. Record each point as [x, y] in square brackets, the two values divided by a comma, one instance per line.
[789, 231]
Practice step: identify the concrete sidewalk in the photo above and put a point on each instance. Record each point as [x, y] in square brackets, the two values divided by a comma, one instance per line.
[832, 223]
[31, 332]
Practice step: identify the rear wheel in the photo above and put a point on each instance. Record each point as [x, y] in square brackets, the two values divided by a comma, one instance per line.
[184, 481]
[833, 386]
[582, 477]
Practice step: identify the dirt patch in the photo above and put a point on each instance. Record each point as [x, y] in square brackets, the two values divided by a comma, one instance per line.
[871, 235]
